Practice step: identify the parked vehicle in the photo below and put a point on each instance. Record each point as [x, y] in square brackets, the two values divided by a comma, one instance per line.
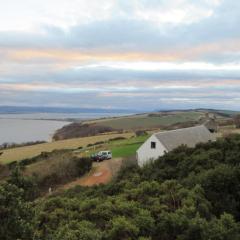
[102, 155]
[94, 156]
[106, 154]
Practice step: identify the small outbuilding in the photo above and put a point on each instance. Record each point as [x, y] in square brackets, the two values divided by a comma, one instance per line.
[160, 143]
[211, 125]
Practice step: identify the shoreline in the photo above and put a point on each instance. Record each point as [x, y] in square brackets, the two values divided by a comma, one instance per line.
[24, 128]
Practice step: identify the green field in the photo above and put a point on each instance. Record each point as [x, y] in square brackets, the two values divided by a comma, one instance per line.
[20, 153]
[145, 121]
[125, 151]
[127, 148]
[119, 148]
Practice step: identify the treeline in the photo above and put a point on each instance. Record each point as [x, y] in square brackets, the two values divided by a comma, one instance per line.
[8, 145]
[75, 130]
[188, 194]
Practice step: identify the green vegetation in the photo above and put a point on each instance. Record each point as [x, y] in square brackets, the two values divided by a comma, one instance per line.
[188, 194]
[16, 220]
[125, 151]
[127, 148]
[119, 148]
[150, 121]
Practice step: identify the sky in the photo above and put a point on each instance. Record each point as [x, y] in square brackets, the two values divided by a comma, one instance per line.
[121, 54]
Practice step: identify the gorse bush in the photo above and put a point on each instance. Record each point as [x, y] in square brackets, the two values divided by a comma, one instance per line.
[188, 194]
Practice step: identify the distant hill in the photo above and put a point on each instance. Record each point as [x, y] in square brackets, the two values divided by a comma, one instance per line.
[39, 109]
[26, 109]
[222, 112]
[164, 120]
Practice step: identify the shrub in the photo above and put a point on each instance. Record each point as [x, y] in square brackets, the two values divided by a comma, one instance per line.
[140, 133]
[63, 171]
[117, 138]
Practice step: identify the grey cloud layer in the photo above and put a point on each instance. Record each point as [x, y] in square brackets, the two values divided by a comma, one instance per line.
[213, 39]
[118, 88]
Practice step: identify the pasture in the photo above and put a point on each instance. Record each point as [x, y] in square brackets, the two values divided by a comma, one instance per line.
[120, 148]
[145, 121]
[17, 154]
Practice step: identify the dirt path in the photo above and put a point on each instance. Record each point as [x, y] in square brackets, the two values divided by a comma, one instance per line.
[101, 173]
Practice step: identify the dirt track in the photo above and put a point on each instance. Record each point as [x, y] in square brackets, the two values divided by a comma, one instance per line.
[101, 173]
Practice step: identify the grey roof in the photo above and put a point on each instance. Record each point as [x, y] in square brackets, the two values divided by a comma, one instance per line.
[185, 136]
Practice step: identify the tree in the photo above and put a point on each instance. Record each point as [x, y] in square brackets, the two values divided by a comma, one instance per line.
[141, 133]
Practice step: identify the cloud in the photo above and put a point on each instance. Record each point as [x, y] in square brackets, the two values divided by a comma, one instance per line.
[149, 54]
[130, 38]
[28, 15]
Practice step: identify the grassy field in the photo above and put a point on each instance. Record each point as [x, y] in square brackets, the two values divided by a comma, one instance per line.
[127, 147]
[119, 148]
[126, 150]
[17, 154]
[145, 121]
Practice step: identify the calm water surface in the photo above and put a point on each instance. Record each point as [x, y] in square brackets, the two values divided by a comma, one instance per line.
[19, 128]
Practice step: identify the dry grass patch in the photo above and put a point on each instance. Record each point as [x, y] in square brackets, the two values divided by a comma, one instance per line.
[225, 131]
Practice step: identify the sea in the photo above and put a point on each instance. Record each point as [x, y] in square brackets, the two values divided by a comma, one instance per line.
[22, 128]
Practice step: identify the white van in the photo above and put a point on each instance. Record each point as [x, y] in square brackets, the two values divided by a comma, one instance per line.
[105, 154]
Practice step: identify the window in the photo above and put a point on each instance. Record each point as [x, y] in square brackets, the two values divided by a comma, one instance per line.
[153, 145]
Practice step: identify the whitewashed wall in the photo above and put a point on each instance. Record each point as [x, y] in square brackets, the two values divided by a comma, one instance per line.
[145, 153]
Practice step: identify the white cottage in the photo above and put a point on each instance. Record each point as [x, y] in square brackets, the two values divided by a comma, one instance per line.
[162, 142]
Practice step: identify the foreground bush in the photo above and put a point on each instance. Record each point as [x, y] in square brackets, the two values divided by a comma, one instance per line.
[188, 194]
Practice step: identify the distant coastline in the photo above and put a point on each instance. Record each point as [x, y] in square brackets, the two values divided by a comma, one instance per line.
[66, 110]
[27, 127]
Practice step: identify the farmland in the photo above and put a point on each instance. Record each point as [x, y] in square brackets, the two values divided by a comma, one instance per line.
[17, 154]
[149, 121]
